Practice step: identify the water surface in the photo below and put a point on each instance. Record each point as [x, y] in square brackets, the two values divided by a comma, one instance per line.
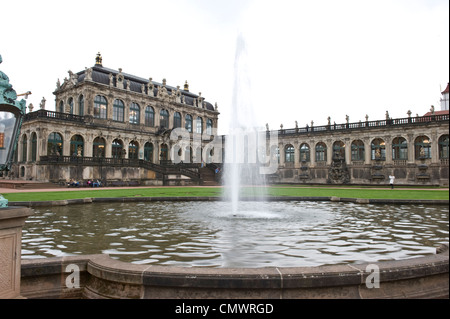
[261, 234]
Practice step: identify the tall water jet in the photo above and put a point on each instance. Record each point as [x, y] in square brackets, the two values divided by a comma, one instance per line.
[244, 143]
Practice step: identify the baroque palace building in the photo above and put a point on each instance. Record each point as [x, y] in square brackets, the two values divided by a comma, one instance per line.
[113, 126]
[116, 127]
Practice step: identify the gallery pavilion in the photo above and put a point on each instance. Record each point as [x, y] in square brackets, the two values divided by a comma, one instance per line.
[115, 127]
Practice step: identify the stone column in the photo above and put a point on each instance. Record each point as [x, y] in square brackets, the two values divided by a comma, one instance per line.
[388, 148]
[12, 220]
[312, 153]
[434, 148]
[367, 151]
[296, 155]
[348, 151]
[411, 147]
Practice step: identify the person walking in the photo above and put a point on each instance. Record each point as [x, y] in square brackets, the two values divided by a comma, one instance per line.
[391, 181]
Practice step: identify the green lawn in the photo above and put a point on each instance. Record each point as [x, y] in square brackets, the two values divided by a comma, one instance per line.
[367, 193]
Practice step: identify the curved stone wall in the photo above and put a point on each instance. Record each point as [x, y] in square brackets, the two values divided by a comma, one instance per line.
[99, 276]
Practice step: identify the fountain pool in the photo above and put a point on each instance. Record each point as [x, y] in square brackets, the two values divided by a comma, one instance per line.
[261, 234]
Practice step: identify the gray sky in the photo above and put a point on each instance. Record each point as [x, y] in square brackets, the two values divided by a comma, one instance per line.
[307, 60]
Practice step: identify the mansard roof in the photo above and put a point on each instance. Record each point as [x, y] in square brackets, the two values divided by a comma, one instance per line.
[101, 75]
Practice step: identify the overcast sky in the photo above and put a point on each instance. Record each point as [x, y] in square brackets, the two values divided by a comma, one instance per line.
[307, 60]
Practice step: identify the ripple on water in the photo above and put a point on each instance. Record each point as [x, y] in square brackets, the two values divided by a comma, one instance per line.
[206, 234]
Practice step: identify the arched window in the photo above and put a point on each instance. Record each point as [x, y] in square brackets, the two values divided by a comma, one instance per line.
[399, 149]
[61, 107]
[199, 125]
[133, 150]
[55, 144]
[70, 102]
[164, 119]
[321, 152]
[177, 120]
[99, 147]
[33, 147]
[378, 149]
[358, 150]
[188, 124]
[117, 147]
[209, 126]
[135, 113]
[148, 152]
[164, 156]
[289, 156]
[118, 111]
[81, 105]
[77, 146]
[100, 107]
[149, 116]
[339, 150]
[24, 148]
[305, 154]
[443, 147]
[422, 147]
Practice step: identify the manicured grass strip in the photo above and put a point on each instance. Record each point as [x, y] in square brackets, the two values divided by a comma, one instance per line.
[245, 191]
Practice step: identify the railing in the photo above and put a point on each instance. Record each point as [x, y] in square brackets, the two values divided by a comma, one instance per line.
[367, 124]
[53, 115]
[121, 162]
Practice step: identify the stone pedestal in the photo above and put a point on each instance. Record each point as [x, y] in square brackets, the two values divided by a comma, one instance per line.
[11, 221]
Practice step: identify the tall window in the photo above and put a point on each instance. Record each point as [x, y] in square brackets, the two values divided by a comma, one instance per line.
[135, 113]
[148, 152]
[422, 147]
[339, 150]
[164, 119]
[289, 154]
[149, 116]
[209, 126]
[188, 124]
[133, 150]
[378, 149]
[81, 105]
[199, 125]
[55, 144]
[61, 107]
[164, 156]
[321, 152]
[177, 120]
[100, 107]
[443, 147]
[305, 155]
[358, 150]
[33, 147]
[77, 146]
[24, 148]
[70, 102]
[118, 111]
[399, 149]
[117, 146]
[99, 147]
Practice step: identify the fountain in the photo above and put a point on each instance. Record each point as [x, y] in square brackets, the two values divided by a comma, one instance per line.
[254, 249]
[246, 143]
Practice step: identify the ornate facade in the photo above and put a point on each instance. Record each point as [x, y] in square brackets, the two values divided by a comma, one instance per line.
[113, 126]
[414, 149]
[105, 119]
